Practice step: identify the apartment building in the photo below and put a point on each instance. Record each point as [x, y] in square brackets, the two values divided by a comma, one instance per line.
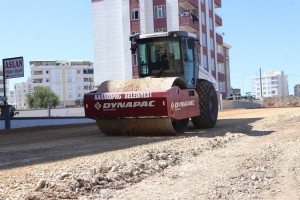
[19, 94]
[12, 98]
[297, 90]
[2, 85]
[113, 24]
[272, 84]
[68, 79]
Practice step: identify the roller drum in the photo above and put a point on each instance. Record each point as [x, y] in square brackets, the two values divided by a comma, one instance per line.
[142, 126]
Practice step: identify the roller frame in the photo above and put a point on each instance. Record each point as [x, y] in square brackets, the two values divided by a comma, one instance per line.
[174, 103]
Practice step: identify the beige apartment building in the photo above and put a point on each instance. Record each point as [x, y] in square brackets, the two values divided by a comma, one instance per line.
[70, 80]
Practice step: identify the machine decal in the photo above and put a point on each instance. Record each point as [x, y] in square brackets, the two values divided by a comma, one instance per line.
[107, 96]
[136, 95]
[182, 104]
[98, 106]
[130, 104]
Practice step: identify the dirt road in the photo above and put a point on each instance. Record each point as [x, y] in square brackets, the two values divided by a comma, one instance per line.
[250, 154]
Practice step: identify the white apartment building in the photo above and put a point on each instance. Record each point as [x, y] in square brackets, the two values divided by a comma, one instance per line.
[2, 85]
[19, 94]
[11, 98]
[297, 90]
[113, 24]
[70, 80]
[273, 84]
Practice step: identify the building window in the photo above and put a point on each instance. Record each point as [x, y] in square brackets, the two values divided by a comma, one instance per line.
[134, 14]
[212, 44]
[220, 49]
[159, 11]
[134, 60]
[203, 18]
[160, 30]
[205, 61]
[210, 4]
[69, 72]
[78, 72]
[85, 87]
[222, 86]
[88, 71]
[204, 41]
[69, 87]
[90, 80]
[221, 68]
[213, 64]
[57, 71]
[57, 88]
[57, 79]
[69, 79]
[211, 25]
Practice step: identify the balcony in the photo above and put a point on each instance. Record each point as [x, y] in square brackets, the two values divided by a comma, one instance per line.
[37, 73]
[220, 58]
[188, 4]
[219, 39]
[37, 81]
[186, 23]
[218, 3]
[218, 20]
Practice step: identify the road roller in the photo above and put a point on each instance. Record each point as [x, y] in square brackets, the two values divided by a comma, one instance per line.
[172, 89]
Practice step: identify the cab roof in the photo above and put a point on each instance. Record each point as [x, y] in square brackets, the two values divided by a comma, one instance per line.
[163, 34]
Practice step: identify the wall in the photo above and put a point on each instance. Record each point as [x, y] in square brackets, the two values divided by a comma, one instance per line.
[44, 121]
[229, 104]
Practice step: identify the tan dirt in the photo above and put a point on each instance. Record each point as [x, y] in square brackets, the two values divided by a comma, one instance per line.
[250, 154]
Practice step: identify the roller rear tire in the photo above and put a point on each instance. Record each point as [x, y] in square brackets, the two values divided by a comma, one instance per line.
[208, 104]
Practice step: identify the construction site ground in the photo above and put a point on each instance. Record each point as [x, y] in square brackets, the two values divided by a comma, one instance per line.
[250, 154]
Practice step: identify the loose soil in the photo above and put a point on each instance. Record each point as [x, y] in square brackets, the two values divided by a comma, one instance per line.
[250, 154]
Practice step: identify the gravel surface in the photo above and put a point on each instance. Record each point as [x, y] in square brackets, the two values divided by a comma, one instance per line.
[250, 154]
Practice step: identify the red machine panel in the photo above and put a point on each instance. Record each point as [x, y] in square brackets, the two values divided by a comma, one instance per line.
[174, 103]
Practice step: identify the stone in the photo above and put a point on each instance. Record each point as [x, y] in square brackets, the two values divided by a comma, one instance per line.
[64, 175]
[254, 177]
[41, 185]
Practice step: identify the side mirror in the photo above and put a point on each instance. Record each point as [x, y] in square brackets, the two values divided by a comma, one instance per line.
[133, 47]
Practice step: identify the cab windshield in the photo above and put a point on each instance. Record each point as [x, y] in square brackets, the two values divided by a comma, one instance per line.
[159, 57]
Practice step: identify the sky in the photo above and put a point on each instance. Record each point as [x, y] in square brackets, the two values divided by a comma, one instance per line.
[262, 33]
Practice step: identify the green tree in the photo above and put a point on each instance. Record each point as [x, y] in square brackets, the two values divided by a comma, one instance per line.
[41, 97]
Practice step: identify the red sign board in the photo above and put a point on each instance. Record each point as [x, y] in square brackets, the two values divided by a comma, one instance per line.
[13, 67]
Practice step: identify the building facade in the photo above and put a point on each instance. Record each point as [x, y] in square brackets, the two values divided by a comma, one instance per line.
[297, 90]
[271, 84]
[2, 85]
[19, 94]
[113, 25]
[70, 80]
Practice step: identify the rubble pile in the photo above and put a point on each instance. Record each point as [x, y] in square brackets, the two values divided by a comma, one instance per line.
[276, 102]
